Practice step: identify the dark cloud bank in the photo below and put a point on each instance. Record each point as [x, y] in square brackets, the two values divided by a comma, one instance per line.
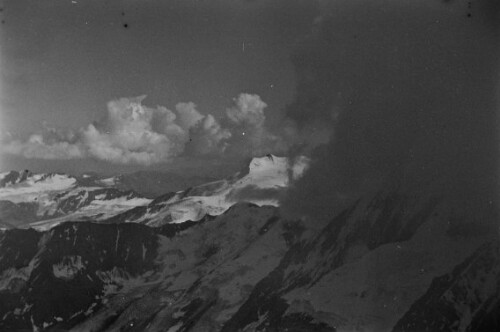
[408, 93]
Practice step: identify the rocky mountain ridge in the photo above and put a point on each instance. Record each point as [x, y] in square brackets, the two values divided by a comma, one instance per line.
[45, 200]
[220, 257]
[51, 198]
[263, 183]
[388, 262]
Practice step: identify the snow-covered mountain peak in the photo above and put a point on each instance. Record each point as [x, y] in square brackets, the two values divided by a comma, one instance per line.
[27, 197]
[45, 200]
[266, 163]
[265, 181]
[270, 170]
[13, 177]
[21, 186]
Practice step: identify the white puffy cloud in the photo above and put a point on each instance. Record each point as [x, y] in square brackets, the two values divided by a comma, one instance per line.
[53, 143]
[188, 116]
[246, 120]
[208, 138]
[248, 111]
[37, 147]
[132, 133]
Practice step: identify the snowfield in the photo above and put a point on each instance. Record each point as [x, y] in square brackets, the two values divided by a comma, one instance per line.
[58, 198]
[267, 178]
[50, 199]
[38, 186]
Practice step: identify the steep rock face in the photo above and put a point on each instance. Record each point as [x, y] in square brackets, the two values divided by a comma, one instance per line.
[327, 280]
[91, 276]
[64, 269]
[207, 272]
[13, 215]
[466, 299]
[13, 177]
[17, 248]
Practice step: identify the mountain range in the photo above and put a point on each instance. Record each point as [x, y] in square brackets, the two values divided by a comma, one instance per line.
[27, 198]
[222, 257]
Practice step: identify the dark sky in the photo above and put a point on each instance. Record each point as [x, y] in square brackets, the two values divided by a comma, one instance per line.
[63, 61]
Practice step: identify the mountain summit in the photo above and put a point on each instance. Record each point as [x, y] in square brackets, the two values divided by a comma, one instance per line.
[262, 183]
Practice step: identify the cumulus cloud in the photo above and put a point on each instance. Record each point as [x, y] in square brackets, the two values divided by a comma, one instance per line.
[38, 147]
[207, 138]
[248, 111]
[51, 143]
[241, 133]
[188, 116]
[132, 133]
[250, 137]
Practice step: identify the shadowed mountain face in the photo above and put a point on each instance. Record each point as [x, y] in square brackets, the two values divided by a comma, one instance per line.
[58, 275]
[61, 277]
[323, 284]
[466, 298]
[14, 215]
[14, 177]
[384, 263]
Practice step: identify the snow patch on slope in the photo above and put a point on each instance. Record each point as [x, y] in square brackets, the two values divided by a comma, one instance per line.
[36, 186]
[109, 181]
[68, 268]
